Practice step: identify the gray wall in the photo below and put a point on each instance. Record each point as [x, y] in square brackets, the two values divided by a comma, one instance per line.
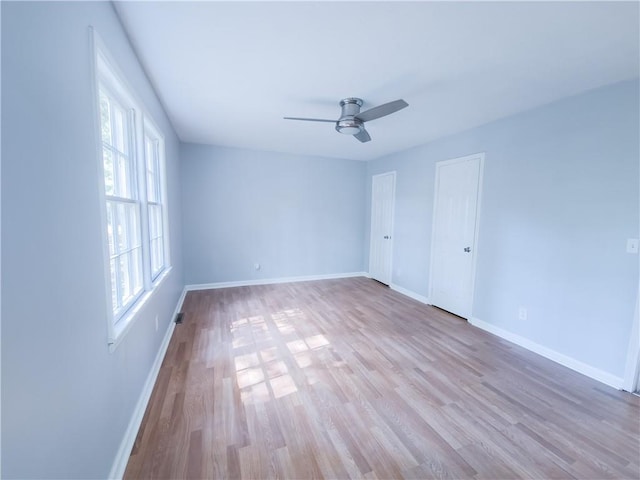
[293, 215]
[560, 198]
[66, 401]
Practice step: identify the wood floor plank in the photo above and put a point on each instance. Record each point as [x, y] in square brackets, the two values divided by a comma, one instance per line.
[346, 378]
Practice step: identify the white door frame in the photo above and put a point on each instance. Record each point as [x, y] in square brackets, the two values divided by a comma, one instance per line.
[393, 216]
[474, 250]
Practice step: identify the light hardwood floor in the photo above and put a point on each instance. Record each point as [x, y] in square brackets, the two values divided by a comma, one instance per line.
[347, 378]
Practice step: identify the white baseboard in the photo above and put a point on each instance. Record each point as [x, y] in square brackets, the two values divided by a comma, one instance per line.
[569, 362]
[633, 352]
[410, 294]
[270, 281]
[122, 457]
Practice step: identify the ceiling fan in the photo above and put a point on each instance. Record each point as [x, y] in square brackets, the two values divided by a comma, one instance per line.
[351, 121]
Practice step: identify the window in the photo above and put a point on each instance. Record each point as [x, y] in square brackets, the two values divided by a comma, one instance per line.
[132, 161]
[122, 203]
[153, 148]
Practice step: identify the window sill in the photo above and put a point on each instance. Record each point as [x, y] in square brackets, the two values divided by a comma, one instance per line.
[126, 322]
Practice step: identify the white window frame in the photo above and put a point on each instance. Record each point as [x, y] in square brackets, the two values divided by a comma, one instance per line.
[108, 78]
[116, 203]
[152, 132]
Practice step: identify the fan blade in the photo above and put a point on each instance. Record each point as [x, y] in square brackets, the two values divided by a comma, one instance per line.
[381, 110]
[310, 119]
[363, 136]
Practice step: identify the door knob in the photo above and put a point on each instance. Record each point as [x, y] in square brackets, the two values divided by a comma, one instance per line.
[467, 249]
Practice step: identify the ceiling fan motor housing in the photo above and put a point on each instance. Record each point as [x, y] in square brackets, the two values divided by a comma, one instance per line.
[351, 121]
[348, 124]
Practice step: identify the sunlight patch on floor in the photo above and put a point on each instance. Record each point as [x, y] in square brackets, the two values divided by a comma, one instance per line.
[263, 374]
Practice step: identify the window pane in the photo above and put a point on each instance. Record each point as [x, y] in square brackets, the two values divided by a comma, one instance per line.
[109, 180]
[122, 234]
[120, 140]
[153, 223]
[158, 254]
[123, 175]
[105, 118]
[133, 219]
[151, 155]
[151, 187]
[159, 227]
[156, 261]
[125, 278]
[112, 245]
[114, 285]
[136, 267]
[154, 256]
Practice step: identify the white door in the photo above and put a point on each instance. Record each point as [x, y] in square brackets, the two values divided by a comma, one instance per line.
[382, 200]
[453, 242]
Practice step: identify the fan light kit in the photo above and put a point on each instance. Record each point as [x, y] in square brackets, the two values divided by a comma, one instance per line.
[351, 121]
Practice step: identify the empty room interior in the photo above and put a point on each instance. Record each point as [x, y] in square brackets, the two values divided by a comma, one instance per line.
[320, 240]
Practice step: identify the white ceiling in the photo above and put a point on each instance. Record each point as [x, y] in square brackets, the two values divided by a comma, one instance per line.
[227, 72]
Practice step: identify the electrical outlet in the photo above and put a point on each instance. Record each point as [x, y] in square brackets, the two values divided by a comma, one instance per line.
[156, 323]
[522, 313]
[632, 245]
